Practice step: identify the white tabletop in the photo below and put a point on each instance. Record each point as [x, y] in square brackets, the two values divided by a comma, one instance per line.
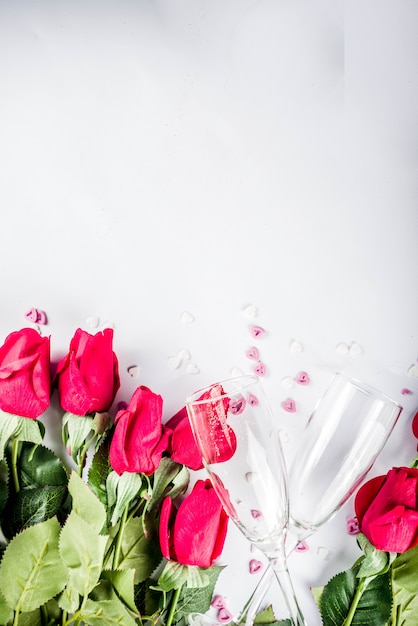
[184, 169]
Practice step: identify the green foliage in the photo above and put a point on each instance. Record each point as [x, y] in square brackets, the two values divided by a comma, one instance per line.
[20, 429]
[404, 588]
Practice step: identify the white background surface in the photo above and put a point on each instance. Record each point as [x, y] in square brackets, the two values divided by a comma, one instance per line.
[162, 157]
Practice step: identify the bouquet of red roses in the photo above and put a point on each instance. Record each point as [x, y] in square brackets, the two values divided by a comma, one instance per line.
[123, 545]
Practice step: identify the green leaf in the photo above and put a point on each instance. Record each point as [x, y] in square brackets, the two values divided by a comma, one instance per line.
[86, 504]
[170, 478]
[21, 428]
[198, 599]
[31, 506]
[82, 550]
[121, 491]
[39, 466]
[123, 584]
[138, 552]
[4, 479]
[105, 607]
[374, 605]
[176, 575]
[75, 430]
[404, 587]
[6, 613]
[99, 470]
[31, 571]
[375, 561]
[267, 618]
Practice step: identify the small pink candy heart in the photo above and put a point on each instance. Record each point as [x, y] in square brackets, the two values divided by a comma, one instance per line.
[224, 615]
[31, 315]
[256, 514]
[237, 406]
[353, 526]
[218, 602]
[253, 353]
[255, 566]
[302, 547]
[260, 369]
[303, 378]
[257, 332]
[41, 317]
[252, 399]
[289, 405]
[406, 392]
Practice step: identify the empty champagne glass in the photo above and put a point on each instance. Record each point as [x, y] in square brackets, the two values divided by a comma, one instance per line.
[240, 446]
[341, 441]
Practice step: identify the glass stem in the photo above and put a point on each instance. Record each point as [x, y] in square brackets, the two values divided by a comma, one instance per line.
[286, 586]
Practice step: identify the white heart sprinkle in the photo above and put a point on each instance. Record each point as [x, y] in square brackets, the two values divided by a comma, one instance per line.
[250, 311]
[187, 318]
[174, 362]
[108, 325]
[288, 382]
[322, 552]
[296, 346]
[192, 369]
[184, 354]
[92, 321]
[413, 371]
[342, 348]
[251, 477]
[134, 371]
[235, 372]
[355, 348]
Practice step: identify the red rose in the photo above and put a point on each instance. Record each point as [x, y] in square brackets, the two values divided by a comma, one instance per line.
[415, 425]
[25, 378]
[139, 439]
[88, 377]
[387, 510]
[195, 533]
[182, 446]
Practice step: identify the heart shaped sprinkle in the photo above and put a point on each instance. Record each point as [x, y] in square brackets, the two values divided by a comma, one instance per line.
[174, 362]
[256, 514]
[353, 526]
[218, 602]
[406, 392]
[252, 399]
[237, 406]
[134, 371]
[255, 566]
[355, 349]
[251, 477]
[288, 382]
[236, 372]
[250, 311]
[192, 369]
[92, 321]
[322, 552]
[41, 319]
[31, 315]
[257, 332]
[302, 547]
[289, 405]
[187, 318]
[303, 378]
[413, 371]
[260, 369]
[295, 346]
[342, 348]
[253, 353]
[224, 616]
[184, 354]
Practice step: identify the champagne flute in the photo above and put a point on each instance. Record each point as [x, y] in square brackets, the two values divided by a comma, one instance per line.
[341, 441]
[240, 447]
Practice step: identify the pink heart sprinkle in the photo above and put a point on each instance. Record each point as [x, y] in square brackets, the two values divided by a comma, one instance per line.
[41, 317]
[353, 526]
[218, 602]
[224, 615]
[253, 353]
[31, 315]
[255, 566]
[406, 392]
[260, 369]
[257, 332]
[303, 379]
[256, 514]
[302, 547]
[237, 406]
[289, 405]
[252, 399]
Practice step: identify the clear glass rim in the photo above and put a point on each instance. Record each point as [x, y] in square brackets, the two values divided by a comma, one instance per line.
[247, 380]
[366, 388]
